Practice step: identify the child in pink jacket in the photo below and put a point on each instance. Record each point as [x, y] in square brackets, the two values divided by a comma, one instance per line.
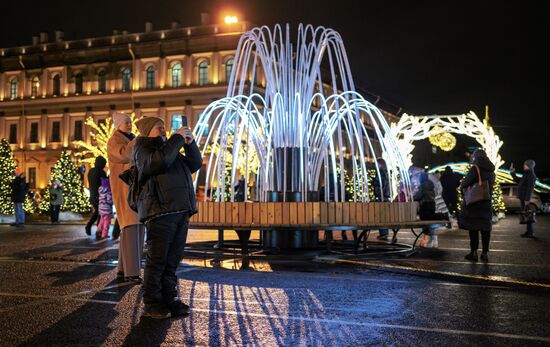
[105, 208]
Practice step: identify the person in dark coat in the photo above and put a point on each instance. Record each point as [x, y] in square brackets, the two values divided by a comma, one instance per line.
[244, 235]
[19, 191]
[450, 182]
[94, 181]
[477, 217]
[382, 191]
[165, 203]
[526, 186]
[56, 200]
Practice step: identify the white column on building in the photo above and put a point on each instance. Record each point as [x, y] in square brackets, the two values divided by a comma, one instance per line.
[215, 63]
[43, 130]
[44, 84]
[66, 129]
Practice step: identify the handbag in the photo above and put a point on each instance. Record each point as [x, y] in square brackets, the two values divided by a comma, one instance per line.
[527, 215]
[478, 191]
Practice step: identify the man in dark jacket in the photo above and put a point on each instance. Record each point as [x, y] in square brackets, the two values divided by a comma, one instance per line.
[526, 186]
[382, 191]
[165, 203]
[450, 182]
[94, 181]
[477, 217]
[19, 191]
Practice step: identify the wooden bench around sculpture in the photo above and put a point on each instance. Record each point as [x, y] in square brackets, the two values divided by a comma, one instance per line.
[302, 215]
[312, 216]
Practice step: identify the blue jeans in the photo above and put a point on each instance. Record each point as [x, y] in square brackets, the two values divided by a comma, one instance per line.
[19, 213]
[383, 232]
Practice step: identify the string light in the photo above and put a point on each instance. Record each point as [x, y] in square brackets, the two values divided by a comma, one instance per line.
[7, 175]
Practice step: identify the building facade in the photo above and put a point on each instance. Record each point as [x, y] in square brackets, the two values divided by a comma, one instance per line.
[49, 89]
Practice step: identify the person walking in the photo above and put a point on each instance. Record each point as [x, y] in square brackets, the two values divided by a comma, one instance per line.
[105, 209]
[477, 217]
[382, 192]
[425, 195]
[119, 154]
[165, 203]
[244, 235]
[56, 200]
[19, 191]
[441, 210]
[94, 181]
[450, 181]
[526, 186]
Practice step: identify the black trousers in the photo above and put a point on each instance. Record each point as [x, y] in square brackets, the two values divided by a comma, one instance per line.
[116, 230]
[54, 213]
[166, 237]
[485, 239]
[244, 237]
[94, 217]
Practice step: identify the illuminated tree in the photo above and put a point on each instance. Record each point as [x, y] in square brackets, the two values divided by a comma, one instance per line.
[101, 132]
[7, 175]
[74, 197]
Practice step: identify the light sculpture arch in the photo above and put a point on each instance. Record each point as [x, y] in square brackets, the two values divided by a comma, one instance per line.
[413, 128]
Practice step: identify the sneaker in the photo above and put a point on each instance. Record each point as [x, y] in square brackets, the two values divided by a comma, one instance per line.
[382, 238]
[158, 311]
[484, 257]
[13, 224]
[472, 256]
[177, 308]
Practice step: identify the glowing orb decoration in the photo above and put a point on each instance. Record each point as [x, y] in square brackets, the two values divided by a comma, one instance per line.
[305, 131]
[442, 139]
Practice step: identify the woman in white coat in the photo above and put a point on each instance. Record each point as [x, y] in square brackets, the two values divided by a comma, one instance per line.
[119, 151]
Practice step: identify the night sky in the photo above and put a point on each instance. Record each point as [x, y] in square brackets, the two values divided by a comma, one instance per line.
[428, 57]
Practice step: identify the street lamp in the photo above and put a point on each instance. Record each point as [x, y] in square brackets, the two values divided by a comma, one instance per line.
[231, 19]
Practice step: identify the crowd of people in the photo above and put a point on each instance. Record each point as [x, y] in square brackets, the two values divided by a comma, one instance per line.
[160, 198]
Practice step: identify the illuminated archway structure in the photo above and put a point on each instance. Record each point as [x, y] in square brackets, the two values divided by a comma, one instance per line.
[413, 128]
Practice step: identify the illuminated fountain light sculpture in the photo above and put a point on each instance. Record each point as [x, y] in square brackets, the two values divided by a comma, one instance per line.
[305, 125]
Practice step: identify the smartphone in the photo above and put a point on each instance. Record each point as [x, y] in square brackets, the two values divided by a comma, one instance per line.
[184, 121]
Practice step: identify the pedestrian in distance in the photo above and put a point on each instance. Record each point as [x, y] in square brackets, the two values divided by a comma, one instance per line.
[441, 210]
[477, 217]
[526, 186]
[132, 231]
[94, 181]
[425, 195]
[165, 202]
[450, 181]
[56, 200]
[382, 192]
[19, 191]
[244, 235]
[105, 209]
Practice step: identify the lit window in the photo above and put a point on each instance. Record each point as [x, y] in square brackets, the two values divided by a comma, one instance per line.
[78, 130]
[56, 85]
[56, 132]
[35, 84]
[101, 81]
[78, 83]
[150, 81]
[33, 138]
[14, 85]
[228, 69]
[13, 133]
[176, 75]
[203, 73]
[126, 79]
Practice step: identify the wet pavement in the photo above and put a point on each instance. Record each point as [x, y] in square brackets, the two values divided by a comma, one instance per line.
[57, 287]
